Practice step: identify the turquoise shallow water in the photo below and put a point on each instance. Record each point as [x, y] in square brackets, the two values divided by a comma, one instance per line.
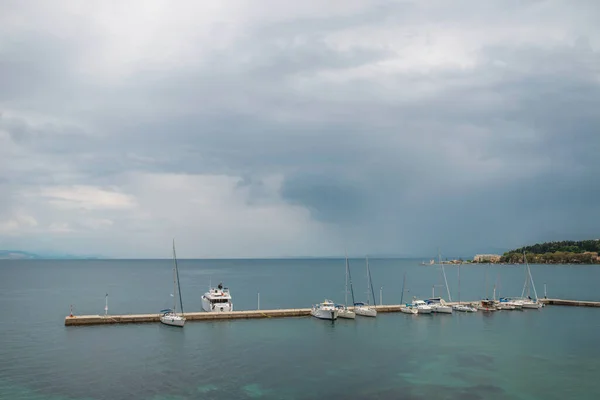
[549, 354]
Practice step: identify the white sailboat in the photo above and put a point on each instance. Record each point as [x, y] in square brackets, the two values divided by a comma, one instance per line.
[437, 304]
[406, 308]
[366, 310]
[529, 302]
[343, 311]
[462, 307]
[170, 316]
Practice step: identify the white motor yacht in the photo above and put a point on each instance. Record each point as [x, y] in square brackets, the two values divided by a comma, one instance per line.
[217, 300]
[422, 307]
[325, 310]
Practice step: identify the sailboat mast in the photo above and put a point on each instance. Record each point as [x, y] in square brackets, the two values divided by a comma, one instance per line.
[177, 278]
[371, 283]
[174, 285]
[350, 280]
[346, 290]
[532, 284]
[526, 277]
[403, 284]
[459, 283]
[446, 283]
[368, 283]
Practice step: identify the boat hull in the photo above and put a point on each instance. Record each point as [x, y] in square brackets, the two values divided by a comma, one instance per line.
[207, 306]
[509, 306]
[463, 308]
[331, 315]
[532, 305]
[365, 311]
[408, 310]
[439, 309]
[173, 320]
[346, 314]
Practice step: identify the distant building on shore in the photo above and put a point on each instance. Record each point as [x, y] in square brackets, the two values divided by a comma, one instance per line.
[486, 258]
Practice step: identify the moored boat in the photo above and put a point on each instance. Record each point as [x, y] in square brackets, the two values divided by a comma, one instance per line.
[422, 307]
[438, 305]
[487, 306]
[409, 309]
[217, 300]
[464, 308]
[170, 316]
[325, 310]
[343, 310]
[366, 310]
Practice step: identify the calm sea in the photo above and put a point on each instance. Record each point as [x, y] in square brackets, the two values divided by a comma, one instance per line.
[547, 354]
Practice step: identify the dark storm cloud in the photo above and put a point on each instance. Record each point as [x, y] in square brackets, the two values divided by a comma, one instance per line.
[499, 152]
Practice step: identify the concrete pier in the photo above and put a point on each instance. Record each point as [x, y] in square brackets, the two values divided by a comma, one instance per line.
[76, 320]
[79, 320]
[572, 303]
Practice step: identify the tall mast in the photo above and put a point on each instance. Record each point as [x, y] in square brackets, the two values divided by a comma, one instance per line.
[459, 282]
[446, 282]
[368, 283]
[525, 285]
[532, 284]
[346, 290]
[350, 280]
[403, 283]
[174, 281]
[177, 278]
[371, 283]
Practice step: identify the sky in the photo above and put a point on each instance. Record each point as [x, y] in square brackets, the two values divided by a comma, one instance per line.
[267, 128]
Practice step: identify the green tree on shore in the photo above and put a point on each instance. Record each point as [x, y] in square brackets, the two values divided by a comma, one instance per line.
[565, 252]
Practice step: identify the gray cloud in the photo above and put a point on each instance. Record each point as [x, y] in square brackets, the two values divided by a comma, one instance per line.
[396, 127]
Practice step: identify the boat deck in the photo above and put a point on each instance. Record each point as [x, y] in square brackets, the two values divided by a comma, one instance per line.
[78, 320]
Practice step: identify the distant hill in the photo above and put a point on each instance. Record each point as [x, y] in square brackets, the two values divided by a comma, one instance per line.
[564, 252]
[25, 255]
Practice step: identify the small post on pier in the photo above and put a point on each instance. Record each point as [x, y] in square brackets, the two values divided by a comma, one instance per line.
[381, 296]
[106, 305]
[71, 311]
[545, 294]
[258, 305]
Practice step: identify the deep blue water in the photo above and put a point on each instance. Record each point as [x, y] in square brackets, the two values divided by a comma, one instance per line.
[549, 354]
